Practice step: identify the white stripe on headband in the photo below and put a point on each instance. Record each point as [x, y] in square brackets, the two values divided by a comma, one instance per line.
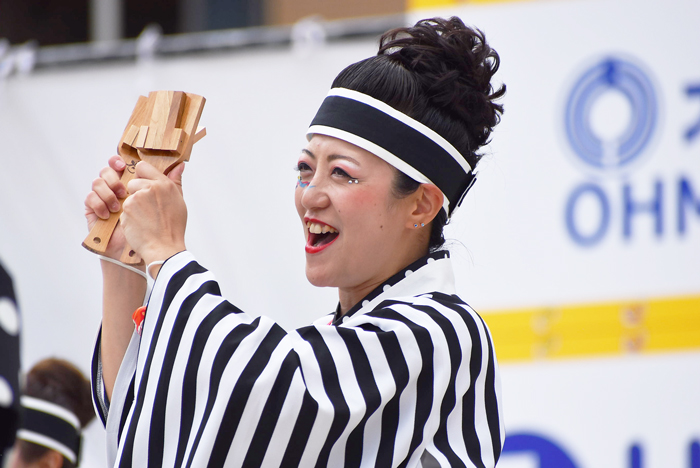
[48, 442]
[50, 408]
[403, 142]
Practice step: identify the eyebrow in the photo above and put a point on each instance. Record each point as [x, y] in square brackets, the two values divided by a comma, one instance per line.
[332, 157]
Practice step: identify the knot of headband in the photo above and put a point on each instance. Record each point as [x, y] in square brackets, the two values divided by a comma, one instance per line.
[408, 145]
[51, 426]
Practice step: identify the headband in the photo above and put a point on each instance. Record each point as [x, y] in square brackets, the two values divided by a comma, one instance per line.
[403, 142]
[51, 426]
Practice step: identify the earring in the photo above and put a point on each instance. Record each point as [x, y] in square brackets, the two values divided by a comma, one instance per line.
[415, 225]
[422, 224]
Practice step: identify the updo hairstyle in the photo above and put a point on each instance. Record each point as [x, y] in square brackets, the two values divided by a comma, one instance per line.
[439, 73]
[60, 382]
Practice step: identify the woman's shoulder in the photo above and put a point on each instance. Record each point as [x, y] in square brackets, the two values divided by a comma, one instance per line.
[430, 303]
[436, 312]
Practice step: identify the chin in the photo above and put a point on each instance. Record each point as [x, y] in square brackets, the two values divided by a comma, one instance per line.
[319, 279]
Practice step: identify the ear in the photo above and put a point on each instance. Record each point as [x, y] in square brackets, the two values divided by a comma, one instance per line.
[428, 201]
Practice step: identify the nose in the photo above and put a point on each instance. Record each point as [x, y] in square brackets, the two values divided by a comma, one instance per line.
[315, 196]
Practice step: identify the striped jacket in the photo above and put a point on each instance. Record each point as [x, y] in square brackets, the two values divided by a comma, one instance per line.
[407, 378]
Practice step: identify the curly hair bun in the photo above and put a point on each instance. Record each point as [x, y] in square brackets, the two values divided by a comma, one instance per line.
[453, 66]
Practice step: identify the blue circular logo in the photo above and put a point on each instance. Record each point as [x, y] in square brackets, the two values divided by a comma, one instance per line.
[599, 149]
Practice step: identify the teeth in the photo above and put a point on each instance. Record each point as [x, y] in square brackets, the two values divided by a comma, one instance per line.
[318, 228]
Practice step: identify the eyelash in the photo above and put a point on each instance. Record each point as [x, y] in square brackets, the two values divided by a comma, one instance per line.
[302, 166]
[341, 172]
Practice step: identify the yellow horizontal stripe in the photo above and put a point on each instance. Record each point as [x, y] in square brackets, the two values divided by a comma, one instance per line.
[428, 4]
[602, 329]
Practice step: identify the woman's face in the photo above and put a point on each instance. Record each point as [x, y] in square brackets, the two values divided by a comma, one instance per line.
[356, 231]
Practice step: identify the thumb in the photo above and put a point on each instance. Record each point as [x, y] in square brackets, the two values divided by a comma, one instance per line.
[176, 173]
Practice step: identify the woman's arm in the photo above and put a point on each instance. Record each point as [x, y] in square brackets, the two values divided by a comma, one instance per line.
[123, 290]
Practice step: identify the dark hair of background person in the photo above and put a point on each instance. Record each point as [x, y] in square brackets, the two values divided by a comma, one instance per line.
[439, 73]
[60, 382]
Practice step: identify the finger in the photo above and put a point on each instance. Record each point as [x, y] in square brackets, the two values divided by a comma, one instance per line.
[135, 185]
[176, 174]
[117, 163]
[147, 171]
[106, 194]
[113, 181]
[94, 204]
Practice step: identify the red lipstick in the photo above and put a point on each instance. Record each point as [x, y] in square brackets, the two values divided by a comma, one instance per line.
[315, 243]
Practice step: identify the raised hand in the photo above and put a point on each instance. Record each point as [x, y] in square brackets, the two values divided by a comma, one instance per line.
[155, 215]
[106, 197]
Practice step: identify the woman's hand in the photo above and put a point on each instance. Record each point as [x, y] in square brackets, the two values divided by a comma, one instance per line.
[107, 190]
[155, 214]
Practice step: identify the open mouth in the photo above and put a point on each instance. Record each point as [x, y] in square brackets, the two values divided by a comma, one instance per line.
[320, 236]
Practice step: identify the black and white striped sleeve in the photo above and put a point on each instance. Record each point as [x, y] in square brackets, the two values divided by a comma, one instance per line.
[214, 386]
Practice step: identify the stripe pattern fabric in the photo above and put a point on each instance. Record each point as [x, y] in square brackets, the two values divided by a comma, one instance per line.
[411, 374]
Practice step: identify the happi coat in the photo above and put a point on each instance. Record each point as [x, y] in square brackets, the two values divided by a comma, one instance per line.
[407, 378]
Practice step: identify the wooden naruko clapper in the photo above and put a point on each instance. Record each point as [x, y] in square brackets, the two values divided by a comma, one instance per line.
[161, 131]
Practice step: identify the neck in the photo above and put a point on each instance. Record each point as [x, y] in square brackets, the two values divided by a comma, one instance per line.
[349, 296]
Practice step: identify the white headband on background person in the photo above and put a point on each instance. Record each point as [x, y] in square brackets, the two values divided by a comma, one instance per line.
[403, 142]
[51, 426]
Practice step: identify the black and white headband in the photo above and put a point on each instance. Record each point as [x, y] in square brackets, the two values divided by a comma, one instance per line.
[408, 145]
[51, 426]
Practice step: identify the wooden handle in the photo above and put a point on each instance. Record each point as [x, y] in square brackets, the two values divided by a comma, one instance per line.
[129, 256]
[100, 234]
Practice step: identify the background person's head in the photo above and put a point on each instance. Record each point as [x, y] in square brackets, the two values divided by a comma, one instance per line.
[58, 382]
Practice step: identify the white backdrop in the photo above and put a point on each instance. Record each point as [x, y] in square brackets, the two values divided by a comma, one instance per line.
[511, 241]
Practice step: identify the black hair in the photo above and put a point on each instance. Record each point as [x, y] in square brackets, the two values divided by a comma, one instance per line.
[439, 73]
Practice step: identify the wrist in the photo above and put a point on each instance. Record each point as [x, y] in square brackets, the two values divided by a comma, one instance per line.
[154, 260]
[160, 254]
[117, 266]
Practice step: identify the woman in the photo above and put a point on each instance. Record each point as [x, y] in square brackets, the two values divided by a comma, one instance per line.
[55, 407]
[403, 373]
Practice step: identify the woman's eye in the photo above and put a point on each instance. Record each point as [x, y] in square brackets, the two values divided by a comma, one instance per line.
[340, 172]
[302, 167]
[304, 170]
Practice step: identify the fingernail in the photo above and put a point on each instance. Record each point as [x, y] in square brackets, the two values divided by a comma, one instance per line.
[114, 207]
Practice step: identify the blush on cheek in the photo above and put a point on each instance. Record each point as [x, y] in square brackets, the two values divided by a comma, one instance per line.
[364, 198]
